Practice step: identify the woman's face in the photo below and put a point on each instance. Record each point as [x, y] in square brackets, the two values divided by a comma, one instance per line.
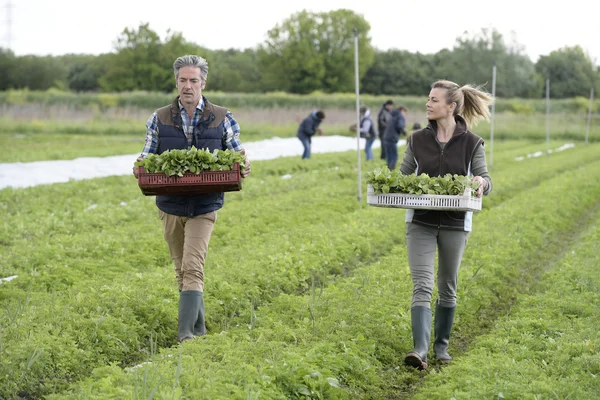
[437, 108]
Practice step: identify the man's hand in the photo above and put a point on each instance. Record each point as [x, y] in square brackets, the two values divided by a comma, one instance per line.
[353, 128]
[136, 170]
[319, 132]
[246, 170]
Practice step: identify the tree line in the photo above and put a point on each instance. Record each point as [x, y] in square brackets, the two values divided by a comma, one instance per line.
[306, 53]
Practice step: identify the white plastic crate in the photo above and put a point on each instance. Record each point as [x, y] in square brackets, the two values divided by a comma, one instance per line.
[466, 202]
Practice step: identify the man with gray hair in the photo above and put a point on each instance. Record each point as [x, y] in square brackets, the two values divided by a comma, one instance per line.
[188, 220]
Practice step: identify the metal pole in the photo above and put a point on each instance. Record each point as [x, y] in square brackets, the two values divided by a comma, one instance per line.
[547, 116]
[589, 117]
[493, 114]
[357, 114]
[9, 7]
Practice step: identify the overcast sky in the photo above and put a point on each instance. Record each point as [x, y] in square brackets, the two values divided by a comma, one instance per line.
[58, 27]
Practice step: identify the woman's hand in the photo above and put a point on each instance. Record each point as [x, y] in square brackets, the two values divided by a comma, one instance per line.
[481, 185]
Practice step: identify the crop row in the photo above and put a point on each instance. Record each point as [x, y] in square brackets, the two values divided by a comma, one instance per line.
[548, 346]
[347, 339]
[153, 100]
[95, 286]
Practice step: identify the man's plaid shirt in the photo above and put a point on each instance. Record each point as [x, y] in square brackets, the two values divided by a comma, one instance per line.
[231, 130]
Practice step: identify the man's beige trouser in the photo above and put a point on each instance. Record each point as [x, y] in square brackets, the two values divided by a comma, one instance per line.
[188, 244]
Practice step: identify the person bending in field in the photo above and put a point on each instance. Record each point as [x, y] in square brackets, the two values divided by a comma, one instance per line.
[308, 128]
[188, 220]
[444, 146]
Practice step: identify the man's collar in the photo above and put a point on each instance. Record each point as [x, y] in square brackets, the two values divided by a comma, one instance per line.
[200, 105]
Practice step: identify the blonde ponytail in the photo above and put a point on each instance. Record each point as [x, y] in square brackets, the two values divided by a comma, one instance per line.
[472, 103]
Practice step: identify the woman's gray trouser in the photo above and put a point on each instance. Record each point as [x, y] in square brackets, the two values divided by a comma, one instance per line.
[421, 242]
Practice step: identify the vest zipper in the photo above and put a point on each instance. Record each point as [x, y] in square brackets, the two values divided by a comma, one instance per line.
[441, 164]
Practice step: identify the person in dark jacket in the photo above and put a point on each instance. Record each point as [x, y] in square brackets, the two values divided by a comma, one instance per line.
[445, 146]
[188, 220]
[308, 128]
[382, 119]
[395, 127]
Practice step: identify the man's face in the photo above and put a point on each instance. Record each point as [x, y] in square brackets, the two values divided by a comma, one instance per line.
[389, 107]
[190, 85]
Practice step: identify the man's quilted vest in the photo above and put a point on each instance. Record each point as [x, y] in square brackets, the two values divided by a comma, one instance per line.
[208, 134]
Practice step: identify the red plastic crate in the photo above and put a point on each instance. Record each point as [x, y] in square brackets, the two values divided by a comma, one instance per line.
[190, 183]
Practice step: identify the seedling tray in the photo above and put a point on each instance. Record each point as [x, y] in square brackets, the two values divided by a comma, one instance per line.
[465, 202]
[190, 183]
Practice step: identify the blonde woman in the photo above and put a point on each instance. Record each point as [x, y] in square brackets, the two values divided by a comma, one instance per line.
[446, 145]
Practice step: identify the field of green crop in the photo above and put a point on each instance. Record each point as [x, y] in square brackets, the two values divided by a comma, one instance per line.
[51, 139]
[56, 125]
[307, 290]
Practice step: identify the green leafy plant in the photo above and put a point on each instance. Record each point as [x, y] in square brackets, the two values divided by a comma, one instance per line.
[177, 162]
[312, 305]
[386, 181]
